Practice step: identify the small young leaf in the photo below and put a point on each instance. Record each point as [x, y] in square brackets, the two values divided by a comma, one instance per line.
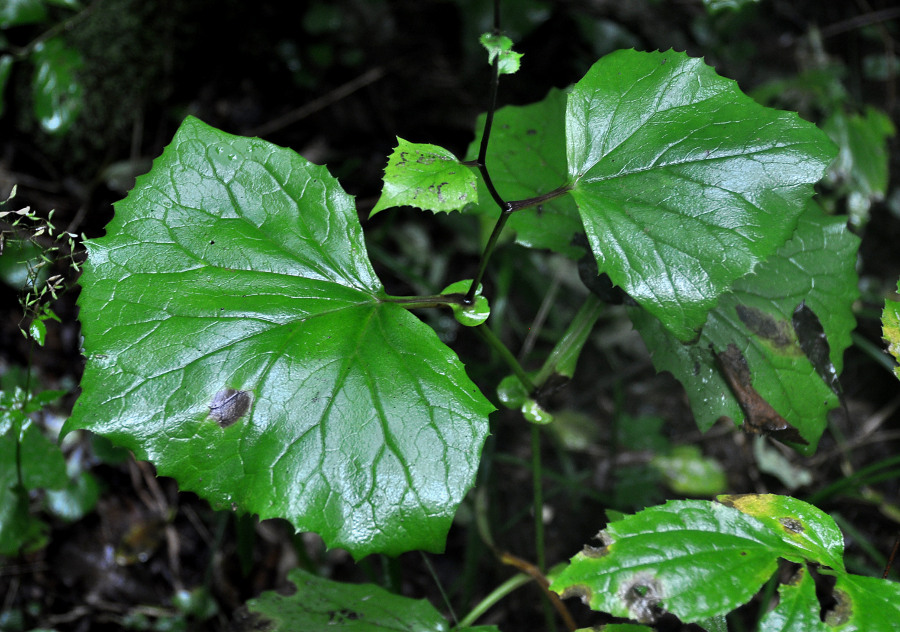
[469, 315]
[427, 177]
[237, 337]
[683, 183]
[502, 46]
[57, 92]
[320, 605]
[527, 158]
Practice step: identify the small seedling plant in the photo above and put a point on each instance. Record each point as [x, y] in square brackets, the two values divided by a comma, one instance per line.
[238, 337]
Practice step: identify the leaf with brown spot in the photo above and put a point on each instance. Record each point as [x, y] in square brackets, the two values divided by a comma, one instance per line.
[761, 418]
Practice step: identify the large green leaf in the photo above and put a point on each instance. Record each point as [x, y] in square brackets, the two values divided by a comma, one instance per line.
[237, 337]
[698, 559]
[322, 605]
[817, 266]
[526, 158]
[683, 183]
[695, 559]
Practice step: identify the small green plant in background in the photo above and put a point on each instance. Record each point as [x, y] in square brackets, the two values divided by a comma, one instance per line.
[238, 337]
[29, 460]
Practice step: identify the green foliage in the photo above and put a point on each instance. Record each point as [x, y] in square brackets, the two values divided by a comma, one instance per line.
[890, 320]
[237, 336]
[816, 266]
[660, 560]
[683, 183]
[501, 46]
[238, 318]
[321, 605]
[427, 177]
[57, 93]
[528, 159]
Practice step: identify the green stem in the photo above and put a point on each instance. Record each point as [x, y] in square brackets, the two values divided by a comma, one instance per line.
[498, 346]
[501, 591]
[417, 302]
[569, 347]
[538, 484]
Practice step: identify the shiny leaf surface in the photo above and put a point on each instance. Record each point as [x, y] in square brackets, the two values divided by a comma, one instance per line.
[683, 183]
[817, 266]
[527, 158]
[57, 92]
[236, 337]
[427, 177]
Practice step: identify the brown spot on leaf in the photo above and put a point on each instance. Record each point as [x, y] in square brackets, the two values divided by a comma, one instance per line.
[814, 343]
[790, 524]
[594, 551]
[776, 333]
[580, 591]
[229, 405]
[642, 596]
[761, 418]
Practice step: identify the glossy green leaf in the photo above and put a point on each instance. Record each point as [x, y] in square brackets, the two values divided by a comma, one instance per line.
[18, 12]
[58, 95]
[427, 177]
[816, 266]
[501, 45]
[695, 559]
[237, 337]
[322, 605]
[527, 158]
[865, 604]
[6, 63]
[684, 184]
[890, 323]
[797, 609]
[469, 315]
[808, 528]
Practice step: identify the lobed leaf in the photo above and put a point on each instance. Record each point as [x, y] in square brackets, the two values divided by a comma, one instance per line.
[684, 184]
[237, 336]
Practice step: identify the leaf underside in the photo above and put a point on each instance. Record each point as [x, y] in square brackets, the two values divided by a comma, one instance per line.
[235, 336]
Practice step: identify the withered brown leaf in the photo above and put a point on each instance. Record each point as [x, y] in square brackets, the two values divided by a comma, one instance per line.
[760, 417]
